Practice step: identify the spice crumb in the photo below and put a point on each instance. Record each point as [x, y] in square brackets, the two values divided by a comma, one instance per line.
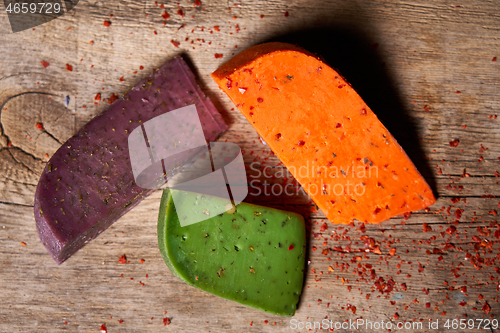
[123, 259]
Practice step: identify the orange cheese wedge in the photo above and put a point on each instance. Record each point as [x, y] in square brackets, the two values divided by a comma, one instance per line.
[324, 133]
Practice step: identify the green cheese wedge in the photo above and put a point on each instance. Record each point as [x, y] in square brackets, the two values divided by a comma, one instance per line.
[253, 255]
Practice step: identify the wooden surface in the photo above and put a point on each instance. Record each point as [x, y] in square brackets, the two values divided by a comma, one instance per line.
[427, 70]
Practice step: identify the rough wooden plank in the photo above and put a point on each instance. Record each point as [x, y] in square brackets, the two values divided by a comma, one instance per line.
[406, 59]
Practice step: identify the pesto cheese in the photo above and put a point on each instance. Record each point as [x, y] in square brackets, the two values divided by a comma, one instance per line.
[250, 254]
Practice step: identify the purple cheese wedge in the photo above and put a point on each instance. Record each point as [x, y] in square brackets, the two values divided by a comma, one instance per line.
[89, 182]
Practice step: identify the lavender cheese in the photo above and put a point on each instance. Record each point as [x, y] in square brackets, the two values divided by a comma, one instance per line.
[88, 183]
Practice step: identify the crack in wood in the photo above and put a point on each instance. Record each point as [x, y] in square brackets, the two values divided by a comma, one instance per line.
[18, 182]
[15, 204]
[19, 74]
[52, 136]
[20, 162]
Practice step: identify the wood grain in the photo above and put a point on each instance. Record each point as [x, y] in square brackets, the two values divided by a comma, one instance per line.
[426, 69]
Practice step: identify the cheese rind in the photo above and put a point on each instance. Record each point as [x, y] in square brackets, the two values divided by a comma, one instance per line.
[254, 255]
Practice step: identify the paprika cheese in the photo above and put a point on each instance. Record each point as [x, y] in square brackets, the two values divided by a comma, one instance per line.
[324, 133]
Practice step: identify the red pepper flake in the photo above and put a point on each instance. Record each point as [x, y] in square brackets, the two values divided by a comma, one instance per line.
[123, 259]
[291, 247]
[23, 243]
[141, 67]
[260, 100]
[338, 125]
[143, 261]
[122, 79]
[229, 85]
[403, 286]
[69, 67]
[261, 16]
[407, 215]
[427, 305]
[218, 55]
[112, 98]
[451, 230]
[120, 321]
[266, 321]
[454, 143]
[458, 91]
[363, 112]
[165, 15]
[216, 28]
[286, 14]
[9, 144]
[141, 283]
[392, 251]
[103, 329]
[180, 12]
[377, 210]
[486, 308]
[107, 23]
[426, 227]
[175, 43]
[197, 3]
[251, 323]
[301, 143]
[494, 59]
[98, 97]
[323, 227]
[396, 316]
[39, 126]
[166, 321]
[45, 64]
